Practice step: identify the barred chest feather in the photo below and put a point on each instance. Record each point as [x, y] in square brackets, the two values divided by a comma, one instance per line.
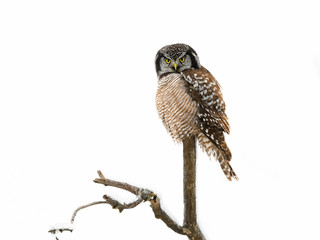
[176, 107]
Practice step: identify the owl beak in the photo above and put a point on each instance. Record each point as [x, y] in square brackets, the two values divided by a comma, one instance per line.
[175, 66]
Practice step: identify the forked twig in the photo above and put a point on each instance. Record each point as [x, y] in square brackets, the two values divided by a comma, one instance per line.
[142, 196]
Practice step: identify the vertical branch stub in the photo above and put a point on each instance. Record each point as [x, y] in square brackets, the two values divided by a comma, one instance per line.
[189, 181]
[189, 189]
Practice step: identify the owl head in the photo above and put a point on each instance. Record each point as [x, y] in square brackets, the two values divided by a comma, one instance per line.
[175, 58]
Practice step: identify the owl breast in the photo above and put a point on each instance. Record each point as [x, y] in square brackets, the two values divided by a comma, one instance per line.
[175, 106]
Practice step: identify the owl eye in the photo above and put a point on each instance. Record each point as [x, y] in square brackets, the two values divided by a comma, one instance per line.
[168, 60]
[182, 59]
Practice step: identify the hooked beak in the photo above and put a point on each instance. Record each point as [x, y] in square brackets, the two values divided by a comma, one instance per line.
[175, 66]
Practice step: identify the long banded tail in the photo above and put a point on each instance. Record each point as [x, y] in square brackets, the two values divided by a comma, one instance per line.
[221, 153]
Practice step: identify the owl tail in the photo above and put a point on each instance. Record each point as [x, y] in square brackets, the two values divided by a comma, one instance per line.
[221, 153]
[226, 167]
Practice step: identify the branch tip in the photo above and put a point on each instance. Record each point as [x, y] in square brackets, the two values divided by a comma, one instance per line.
[100, 174]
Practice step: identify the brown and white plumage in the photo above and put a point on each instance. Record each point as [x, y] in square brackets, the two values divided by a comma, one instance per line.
[189, 102]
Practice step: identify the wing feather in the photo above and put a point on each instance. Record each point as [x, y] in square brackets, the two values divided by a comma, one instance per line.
[206, 91]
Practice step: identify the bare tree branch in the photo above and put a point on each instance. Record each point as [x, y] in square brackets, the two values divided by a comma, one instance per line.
[143, 195]
[125, 186]
[117, 205]
[190, 226]
[160, 214]
[189, 188]
[85, 206]
[53, 231]
[189, 181]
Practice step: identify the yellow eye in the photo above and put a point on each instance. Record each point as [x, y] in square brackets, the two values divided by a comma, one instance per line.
[182, 59]
[168, 60]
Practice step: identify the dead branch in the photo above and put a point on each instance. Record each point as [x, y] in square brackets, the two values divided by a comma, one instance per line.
[117, 205]
[160, 214]
[142, 195]
[189, 188]
[125, 186]
[85, 206]
[190, 226]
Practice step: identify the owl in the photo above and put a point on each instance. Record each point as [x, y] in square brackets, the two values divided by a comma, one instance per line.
[189, 102]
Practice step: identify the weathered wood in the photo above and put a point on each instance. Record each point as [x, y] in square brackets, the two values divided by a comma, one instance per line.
[190, 226]
[189, 188]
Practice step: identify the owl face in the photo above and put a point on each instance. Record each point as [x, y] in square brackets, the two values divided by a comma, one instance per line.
[175, 58]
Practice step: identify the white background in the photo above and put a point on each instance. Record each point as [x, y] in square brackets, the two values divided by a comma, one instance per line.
[77, 89]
